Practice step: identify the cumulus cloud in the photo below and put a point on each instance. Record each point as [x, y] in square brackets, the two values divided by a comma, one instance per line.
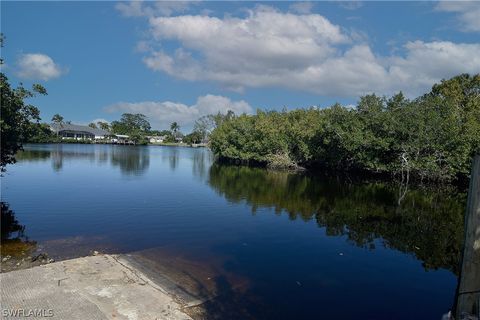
[163, 8]
[468, 13]
[302, 7]
[307, 52]
[37, 66]
[162, 114]
[434, 60]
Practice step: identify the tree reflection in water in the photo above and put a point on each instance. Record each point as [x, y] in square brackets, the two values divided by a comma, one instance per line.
[172, 156]
[202, 159]
[427, 223]
[13, 239]
[132, 160]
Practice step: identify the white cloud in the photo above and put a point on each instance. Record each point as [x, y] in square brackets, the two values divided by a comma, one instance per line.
[163, 8]
[302, 7]
[162, 114]
[37, 66]
[269, 48]
[131, 9]
[468, 13]
[427, 62]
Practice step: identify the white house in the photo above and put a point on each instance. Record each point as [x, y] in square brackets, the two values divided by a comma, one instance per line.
[156, 139]
[73, 131]
[120, 138]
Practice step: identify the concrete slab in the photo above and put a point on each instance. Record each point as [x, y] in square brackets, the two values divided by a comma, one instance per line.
[95, 287]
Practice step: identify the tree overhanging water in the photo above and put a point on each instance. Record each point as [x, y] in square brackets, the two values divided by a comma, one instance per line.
[431, 137]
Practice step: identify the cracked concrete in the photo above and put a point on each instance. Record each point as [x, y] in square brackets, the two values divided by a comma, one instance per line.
[95, 287]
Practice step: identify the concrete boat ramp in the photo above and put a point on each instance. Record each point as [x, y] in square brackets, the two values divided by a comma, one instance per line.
[93, 287]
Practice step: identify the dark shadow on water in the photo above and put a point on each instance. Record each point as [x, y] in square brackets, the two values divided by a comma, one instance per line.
[230, 304]
[424, 222]
[11, 228]
[15, 246]
[427, 223]
[201, 278]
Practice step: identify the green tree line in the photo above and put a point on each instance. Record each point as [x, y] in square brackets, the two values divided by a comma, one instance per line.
[431, 137]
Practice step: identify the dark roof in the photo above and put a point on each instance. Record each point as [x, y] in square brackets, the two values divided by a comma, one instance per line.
[74, 127]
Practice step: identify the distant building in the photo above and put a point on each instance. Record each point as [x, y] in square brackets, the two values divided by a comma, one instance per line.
[120, 138]
[73, 131]
[156, 139]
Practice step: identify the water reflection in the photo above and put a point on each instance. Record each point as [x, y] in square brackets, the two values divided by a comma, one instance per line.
[172, 157]
[132, 160]
[11, 228]
[426, 223]
[202, 159]
[14, 243]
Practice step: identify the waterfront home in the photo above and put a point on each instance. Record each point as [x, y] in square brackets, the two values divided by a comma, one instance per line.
[156, 139]
[78, 132]
[121, 139]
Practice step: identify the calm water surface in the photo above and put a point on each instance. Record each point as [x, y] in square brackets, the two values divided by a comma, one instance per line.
[276, 245]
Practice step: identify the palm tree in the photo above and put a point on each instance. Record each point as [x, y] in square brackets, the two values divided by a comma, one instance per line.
[174, 127]
[58, 120]
[103, 125]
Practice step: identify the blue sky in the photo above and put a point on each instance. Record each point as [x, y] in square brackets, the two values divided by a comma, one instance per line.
[176, 61]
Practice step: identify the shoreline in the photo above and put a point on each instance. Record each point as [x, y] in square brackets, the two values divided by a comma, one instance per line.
[352, 175]
[199, 145]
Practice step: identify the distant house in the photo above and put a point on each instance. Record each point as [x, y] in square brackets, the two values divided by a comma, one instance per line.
[120, 138]
[156, 139]
[73, 131]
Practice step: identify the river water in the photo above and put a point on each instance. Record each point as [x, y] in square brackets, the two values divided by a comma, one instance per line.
[270, 245]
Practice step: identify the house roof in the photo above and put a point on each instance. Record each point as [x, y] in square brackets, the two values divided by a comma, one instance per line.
[74, 127]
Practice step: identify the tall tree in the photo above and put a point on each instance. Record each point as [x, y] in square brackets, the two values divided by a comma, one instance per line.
[134, 125]
[130, 123]
[16, 116]
[103, 125]
[92, 125]
[58, 119]
[174, 127]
